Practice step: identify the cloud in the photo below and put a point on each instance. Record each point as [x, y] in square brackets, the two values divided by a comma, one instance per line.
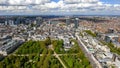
[23, 2]
[80, 1]
[3, 1]
[62, 6]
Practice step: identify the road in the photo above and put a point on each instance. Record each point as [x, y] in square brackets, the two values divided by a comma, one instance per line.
[90, 56]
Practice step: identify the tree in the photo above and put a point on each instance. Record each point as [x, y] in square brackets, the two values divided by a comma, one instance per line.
[1, 65]
[17, 63]
[48, 41]
[9, 66]
[46, 64]
[55, 66]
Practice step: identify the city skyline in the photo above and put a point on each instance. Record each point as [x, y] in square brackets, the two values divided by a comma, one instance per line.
[59, 7]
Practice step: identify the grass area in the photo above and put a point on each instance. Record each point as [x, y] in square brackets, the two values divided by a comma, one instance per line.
[72, 61]
[35, 61]
[90, 33]
[81, 34]
[112, 47]
[33, 47]
[58, 47]
[76, 61]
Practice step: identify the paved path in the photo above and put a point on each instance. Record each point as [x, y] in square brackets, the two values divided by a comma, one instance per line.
[56, 55]
[42, 54]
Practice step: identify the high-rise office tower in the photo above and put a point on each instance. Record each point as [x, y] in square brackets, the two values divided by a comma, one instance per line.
[49, 22]
[76, 22]
[39, 20]
[67, 21]
[6, 21]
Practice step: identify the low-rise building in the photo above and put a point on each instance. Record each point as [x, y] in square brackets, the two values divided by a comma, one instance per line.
[10, 46]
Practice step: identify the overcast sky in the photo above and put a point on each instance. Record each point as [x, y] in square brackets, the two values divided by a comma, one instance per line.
[60, 7]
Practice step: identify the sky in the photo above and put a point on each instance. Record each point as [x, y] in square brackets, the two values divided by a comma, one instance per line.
[59, 7]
